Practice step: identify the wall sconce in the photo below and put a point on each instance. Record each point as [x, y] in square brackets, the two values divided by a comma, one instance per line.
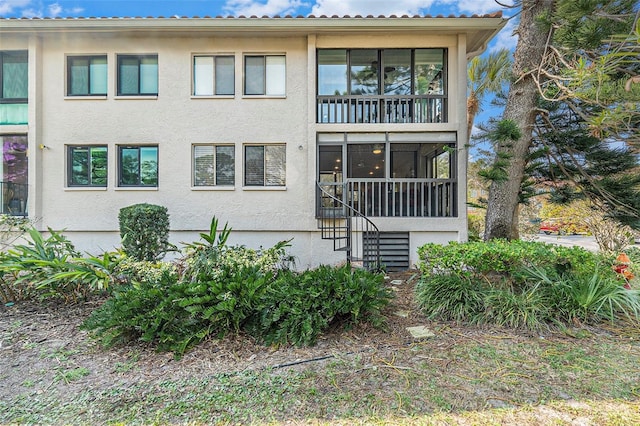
[43, 146]
[377, 149]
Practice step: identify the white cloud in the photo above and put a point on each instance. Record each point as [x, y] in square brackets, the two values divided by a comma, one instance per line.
[477, 6]
[270, 8]
[505, 38]
[8, 6]
[369, 7]
[54, 10]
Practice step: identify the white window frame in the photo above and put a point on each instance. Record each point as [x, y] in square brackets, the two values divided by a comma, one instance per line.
[274, 75]
[206, 85]
[280, 181]
[214, 154]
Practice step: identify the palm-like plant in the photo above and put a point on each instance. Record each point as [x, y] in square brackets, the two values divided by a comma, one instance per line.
[486, 75]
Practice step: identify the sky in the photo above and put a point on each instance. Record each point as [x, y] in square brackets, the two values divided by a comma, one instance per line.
[190, 8]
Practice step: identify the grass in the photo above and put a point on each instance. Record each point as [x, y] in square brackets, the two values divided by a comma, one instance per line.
[484, 381]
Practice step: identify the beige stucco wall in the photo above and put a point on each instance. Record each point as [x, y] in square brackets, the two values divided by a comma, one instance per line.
[175, 120]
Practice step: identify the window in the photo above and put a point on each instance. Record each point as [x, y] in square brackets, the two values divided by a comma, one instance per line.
[213, 75]
[14, 72]
[137, 75]
[87, 75]
[138, 166]
[381, 86]
[381, 71]
[213, 165]
[87, 166]
[264, 75]
[14, 87]
[264, 165]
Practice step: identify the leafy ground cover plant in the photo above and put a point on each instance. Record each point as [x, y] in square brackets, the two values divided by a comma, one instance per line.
[521, 284]
[297, 307]
[217, 289]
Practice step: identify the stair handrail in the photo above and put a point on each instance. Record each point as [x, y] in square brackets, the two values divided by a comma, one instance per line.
[355, 213]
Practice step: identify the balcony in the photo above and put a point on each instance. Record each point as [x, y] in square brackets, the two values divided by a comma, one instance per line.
[396, 197]
[14, 198]
[382, 109]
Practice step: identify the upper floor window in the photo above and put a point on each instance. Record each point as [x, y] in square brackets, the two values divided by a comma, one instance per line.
[213, 75]
[137, 75]
[138, 166]
[264, 165]
[87, 75]
[213, 165]
[87, 165]
[14, 76]
[265, 75]
[381, 72]
[381, 86]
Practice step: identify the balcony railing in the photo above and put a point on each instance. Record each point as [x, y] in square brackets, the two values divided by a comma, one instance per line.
[13, 198]
[382, 109]
[396, 197]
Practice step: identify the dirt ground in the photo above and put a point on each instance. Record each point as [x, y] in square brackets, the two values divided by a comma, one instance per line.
[34, 338]
[43, 352]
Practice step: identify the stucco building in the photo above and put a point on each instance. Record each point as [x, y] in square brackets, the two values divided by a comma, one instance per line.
[258, 121]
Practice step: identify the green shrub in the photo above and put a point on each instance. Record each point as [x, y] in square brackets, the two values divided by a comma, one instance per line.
[520, 284]
[503, 263]
[140, 310]
[298, 307]
[213, 291]
[144, 229]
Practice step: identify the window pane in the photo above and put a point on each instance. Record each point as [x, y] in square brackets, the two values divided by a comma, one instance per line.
[149, 76]
[128, 76]
[79, 166]
[254, 75]
[364, 72]
[203, 165]
[99, 166]
[79, 76]
[98, 73]
[397, 71]
[225, 165]
[276, 75]
[129, 166]
[15, 161]
[332, 72]
[203, 75]
[149, 165]
[225, 75]
[14, 75]
[366, 160]
[428, 72]
[275, 165]
[254, 166]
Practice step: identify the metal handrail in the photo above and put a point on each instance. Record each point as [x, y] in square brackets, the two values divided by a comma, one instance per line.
[344, 227]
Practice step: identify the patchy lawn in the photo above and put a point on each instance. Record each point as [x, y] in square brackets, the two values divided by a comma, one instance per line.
[53, 373]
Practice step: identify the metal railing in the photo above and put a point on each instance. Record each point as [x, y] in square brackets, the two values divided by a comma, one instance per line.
[350, 231]
[398, 197]
[382, 109]
[13, 198]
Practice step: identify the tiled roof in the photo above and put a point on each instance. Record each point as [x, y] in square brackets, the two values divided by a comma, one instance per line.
[488, 15]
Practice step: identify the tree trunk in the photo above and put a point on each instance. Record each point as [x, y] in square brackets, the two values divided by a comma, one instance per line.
[502, 209]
